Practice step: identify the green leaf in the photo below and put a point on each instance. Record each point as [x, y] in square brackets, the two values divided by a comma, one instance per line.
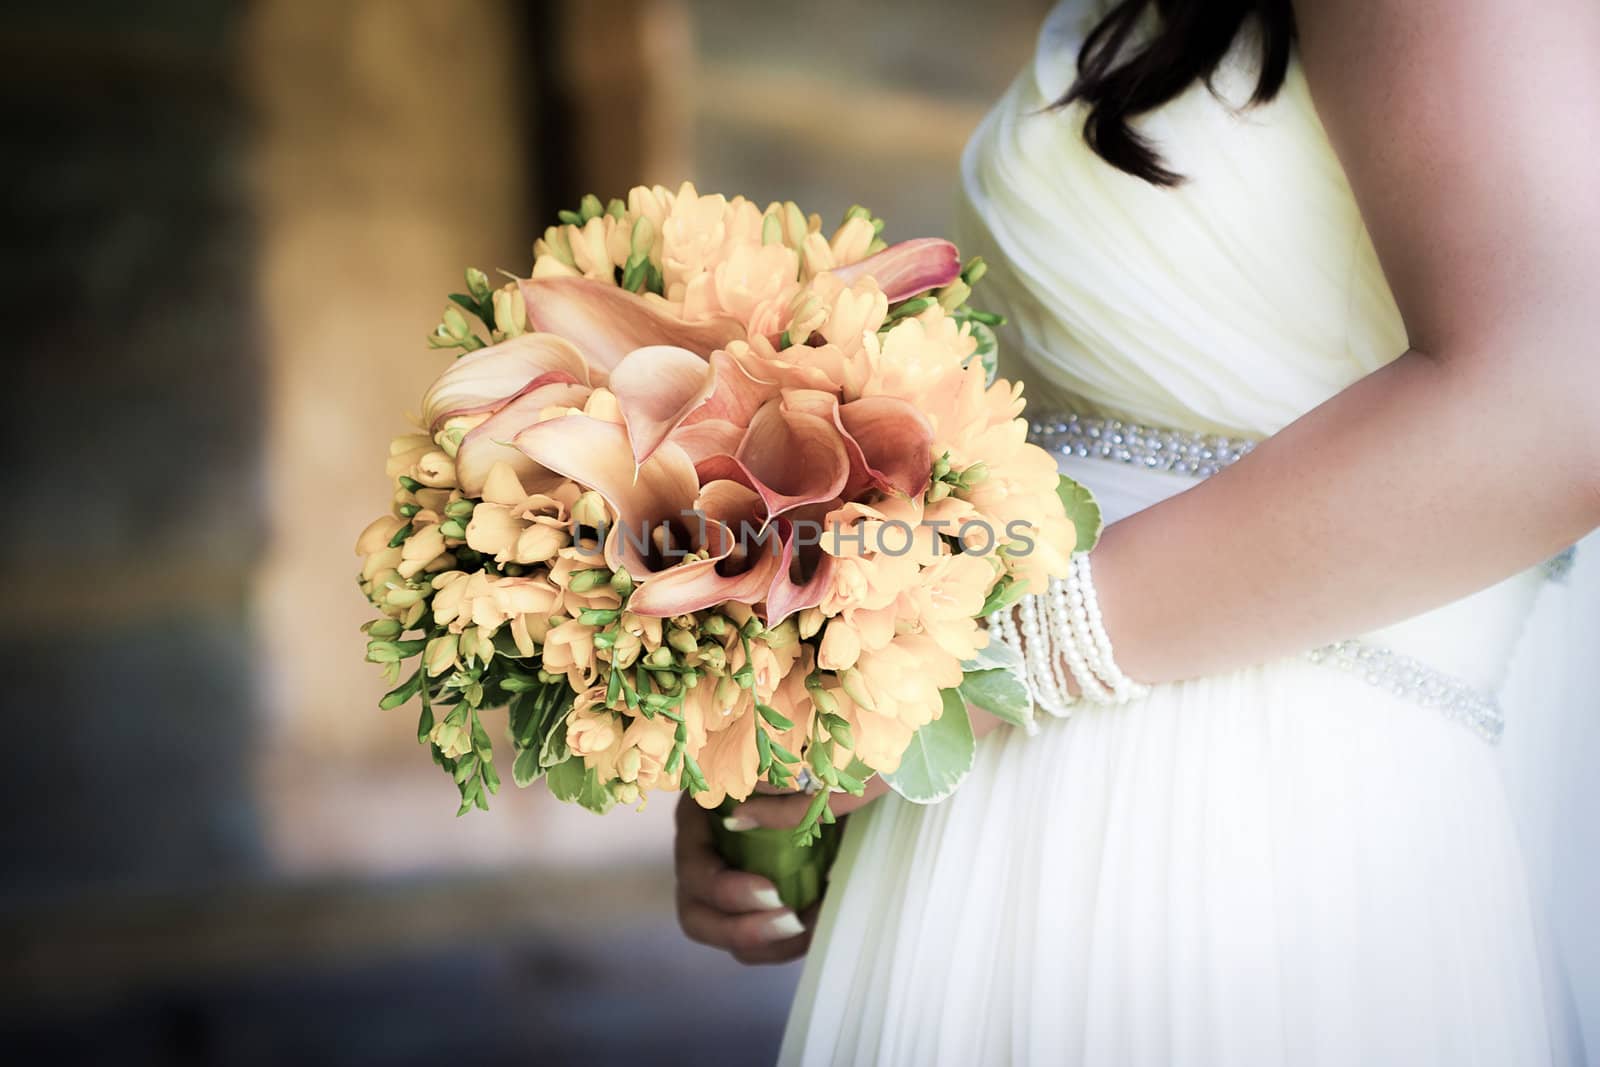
[526, 770]
[939, 756]
[566, 779]
[1083, 510]
[1000, 693]
[594, 795]
[521, 719]
[774, 718]
[1005, 593]
[996, 680]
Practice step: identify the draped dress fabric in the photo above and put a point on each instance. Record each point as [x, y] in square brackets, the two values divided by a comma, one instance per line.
[1279, 865]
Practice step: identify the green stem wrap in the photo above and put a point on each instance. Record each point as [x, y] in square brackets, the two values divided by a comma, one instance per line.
[799, 871]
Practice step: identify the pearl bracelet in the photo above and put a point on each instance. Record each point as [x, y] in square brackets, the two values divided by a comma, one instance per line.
[1062, 635]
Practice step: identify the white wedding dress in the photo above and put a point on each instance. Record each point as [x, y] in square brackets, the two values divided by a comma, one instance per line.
[1344, 861]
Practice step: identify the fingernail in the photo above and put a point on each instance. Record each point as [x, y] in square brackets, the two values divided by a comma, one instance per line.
[786, 925]
[739, 822]
[766, 899]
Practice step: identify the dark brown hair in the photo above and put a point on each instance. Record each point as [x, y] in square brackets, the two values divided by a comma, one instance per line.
[1118, 82]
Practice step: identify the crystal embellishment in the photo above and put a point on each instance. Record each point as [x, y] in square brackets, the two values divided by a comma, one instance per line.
[1415, 681]
[1198, 455]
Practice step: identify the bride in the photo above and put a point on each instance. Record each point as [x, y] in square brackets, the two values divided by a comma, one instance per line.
[1308, 297]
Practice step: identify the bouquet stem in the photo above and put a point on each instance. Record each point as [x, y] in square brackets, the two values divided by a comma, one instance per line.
[798, 870]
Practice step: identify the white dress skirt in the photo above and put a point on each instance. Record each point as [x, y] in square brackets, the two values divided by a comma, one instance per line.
[1297, 863]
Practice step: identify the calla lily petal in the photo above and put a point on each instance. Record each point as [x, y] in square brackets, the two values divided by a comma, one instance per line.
[703, 438]
[738, 394]
[657, 387]
[488, 378]
[606, 323]
[748, 555]
[786, 596]
[908, 268]
[791, 457]
[888, 440]
[892, 439]
[489, 442]
[595, 454]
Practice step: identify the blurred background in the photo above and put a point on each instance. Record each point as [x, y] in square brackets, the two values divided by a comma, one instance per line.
[228, 228]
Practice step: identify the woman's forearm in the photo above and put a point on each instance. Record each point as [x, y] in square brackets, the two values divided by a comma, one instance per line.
[1420, 484]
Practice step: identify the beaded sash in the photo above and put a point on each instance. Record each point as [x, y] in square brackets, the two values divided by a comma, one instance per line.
[1199, 455]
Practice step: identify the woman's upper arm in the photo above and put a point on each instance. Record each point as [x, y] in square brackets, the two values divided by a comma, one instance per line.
[1470, 133]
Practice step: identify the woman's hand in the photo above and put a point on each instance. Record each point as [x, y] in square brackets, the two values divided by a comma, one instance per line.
[741, 912]
[735, 910]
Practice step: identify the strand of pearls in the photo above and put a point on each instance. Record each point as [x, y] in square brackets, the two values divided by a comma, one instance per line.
[1089, 629]
[1063, 639]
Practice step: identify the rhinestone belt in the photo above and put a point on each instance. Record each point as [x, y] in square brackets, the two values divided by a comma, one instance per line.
[1200, 455]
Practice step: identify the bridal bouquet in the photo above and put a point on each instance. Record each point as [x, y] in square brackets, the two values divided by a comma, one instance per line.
[719, 500]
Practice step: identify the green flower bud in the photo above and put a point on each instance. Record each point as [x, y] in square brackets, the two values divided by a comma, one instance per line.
[585, 581]
[477, 283]
[975, 269]
[590, 207]
[938, 491]
[784, 634]
[954, 295]
[683, 641]
[459, 509]
[452, 528]
[974, 474]
[715, 625]
[454, 324]
[825, 702]
[402, 597]
[622, 583]
[642, 239]
[661, 657]
[382, 628]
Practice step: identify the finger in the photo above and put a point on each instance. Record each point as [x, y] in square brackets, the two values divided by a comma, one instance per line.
[705, 876]
[778, 811]
[777, 952]
[750, 932]
[784, 951]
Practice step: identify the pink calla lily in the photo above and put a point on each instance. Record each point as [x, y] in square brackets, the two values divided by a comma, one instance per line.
[908, 268]
[488, 378]
[790, 456]
[489, 442]
[793, 589]
[606, 323]
[888, 440]
[666, 393]
[657, 387]
[704, 438]
[892, 440]
[645, 497]
[746, 558]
